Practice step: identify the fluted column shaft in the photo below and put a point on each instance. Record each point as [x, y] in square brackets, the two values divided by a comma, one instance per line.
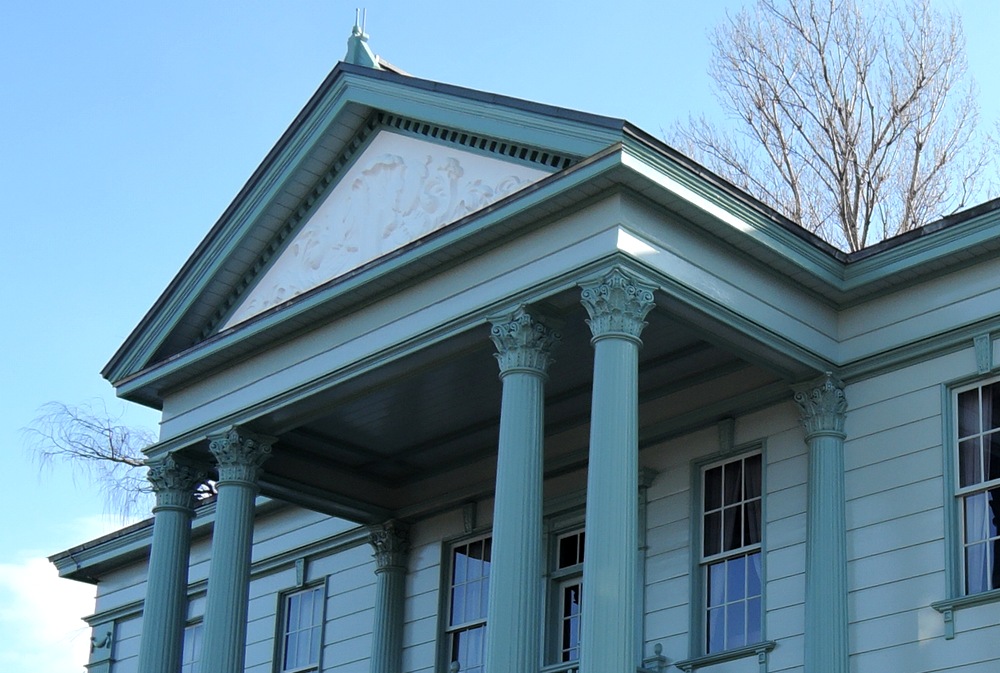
[824, 408]
[391, 543]
[165, 605]
[239, 455]
[617, 305]
[514, 614]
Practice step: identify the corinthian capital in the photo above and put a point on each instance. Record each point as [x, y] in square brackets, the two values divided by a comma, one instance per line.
[823, 405]
[523, 343]
[173, 482]
[239, 454]
[391, 541]
[617, 304]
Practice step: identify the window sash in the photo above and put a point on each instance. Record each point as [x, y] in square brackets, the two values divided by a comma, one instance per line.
[191, 649]
[731, 552]
[302, 629]
[976, 436]
[468, 597]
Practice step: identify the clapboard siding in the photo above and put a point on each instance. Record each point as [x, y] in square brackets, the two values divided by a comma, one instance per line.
[895, 539]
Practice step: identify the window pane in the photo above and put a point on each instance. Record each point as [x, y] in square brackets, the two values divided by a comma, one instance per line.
[754, 619]
[733, 482]
[751, 523]
[315, 640]
[291, 647]
[991, 407]
[458, 605]
[751, 477]
[753, 574]
[475, 560]
[473, 600]
[736, 579]
[293, 613]
[969, 465]
[732, 532]
[992, 457]
[716, 630]
[716, 584]
[459, 564]
[977, 519]
[736, 625]
[968, 413]
[713, 488]
[977, 568]
[713, 533]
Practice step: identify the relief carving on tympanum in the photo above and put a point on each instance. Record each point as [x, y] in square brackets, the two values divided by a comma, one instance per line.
[399, 190]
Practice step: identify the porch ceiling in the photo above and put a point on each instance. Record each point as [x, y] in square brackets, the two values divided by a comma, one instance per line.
[421, 433]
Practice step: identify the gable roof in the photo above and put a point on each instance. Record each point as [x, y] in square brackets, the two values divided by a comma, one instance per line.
[351, 104]
[187, 328]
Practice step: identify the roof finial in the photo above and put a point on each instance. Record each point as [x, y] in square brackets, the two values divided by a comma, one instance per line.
[358, 51]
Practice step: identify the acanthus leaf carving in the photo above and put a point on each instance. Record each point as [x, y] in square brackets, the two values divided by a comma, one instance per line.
[523, 343]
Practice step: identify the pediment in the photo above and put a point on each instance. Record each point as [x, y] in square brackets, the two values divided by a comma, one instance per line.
[398, 189]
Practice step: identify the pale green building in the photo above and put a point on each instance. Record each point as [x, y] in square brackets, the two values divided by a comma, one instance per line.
[716, 443]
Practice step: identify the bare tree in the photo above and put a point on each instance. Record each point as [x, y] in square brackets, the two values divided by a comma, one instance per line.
[856, 119]
[98, 446]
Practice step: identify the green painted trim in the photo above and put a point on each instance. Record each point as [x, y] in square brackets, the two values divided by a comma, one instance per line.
[378, 122]
[350, 285]
[952, 514]
[280, 611]
[750, 222]
[948, 607]
[354, 537]
[529, 124]
[931, 248]
[696, 601]
[928, 348]
[953, 524]
[760, 649]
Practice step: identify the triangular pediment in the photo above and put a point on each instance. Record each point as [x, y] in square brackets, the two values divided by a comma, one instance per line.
[399, 189]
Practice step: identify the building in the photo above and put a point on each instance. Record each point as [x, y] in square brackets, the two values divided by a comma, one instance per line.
[716, 443]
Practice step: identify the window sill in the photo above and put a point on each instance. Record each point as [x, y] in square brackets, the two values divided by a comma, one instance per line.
[760, 649]
[948, 607]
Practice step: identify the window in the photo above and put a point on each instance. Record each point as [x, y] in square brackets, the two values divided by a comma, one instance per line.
[567, 591]
[731, 553]
[302, 629]
[191, 653]
[469, 588]
[978, 442]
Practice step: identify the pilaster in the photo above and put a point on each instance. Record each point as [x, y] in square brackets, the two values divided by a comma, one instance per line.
[165, 605]
[617, 304]
[239, 455]
[391, 542]
[524, 345]
[823, 409]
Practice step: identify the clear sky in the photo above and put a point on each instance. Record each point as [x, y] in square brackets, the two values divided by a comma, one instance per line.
[127, 127]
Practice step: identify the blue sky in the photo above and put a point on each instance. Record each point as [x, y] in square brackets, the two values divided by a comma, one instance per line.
[126, 128]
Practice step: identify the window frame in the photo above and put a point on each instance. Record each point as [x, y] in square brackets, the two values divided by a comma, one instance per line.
[557, 580]
[700, 563]
[195, 665]
[956, 493]
[281, 632]
[447, 629]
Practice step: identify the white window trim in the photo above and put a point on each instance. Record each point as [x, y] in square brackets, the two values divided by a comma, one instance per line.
[447, 629]
[282, 618]
[699, 562]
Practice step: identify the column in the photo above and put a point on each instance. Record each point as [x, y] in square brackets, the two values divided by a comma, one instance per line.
[165, 606]
[514, 615]
[391, 542]
[617, 305]
[239, 455]
[824, 407]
